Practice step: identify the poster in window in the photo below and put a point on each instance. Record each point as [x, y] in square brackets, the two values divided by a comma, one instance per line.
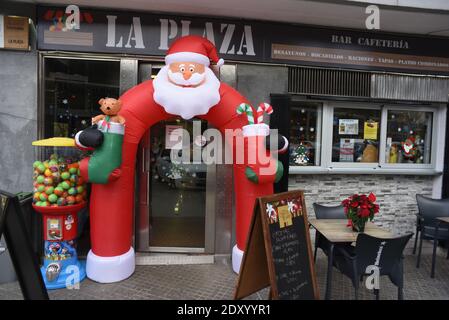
[348, 126]
[346, 150]
[370, 130]
[173, 137]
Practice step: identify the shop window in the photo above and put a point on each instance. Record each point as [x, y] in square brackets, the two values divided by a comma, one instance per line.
[409, 137]
[72, 88]
[305, 131]
[356, 135]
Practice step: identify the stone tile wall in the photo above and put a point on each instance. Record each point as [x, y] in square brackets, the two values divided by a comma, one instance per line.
[395, 194]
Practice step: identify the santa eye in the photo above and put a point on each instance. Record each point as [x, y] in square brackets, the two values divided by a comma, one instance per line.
[182, 69]
[192, 69]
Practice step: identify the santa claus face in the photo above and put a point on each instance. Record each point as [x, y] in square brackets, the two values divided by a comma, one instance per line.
[186, 74]
[186, 89]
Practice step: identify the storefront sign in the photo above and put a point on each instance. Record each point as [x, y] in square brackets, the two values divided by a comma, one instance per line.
[278, 251]
[150, 34]
[14, 33]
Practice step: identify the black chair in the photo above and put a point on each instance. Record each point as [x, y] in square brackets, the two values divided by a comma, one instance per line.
[326, 212]
[386, 254]
[430, 228]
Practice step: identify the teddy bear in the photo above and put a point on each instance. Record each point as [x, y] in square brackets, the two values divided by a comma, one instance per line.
[105, 138]
[110, 107]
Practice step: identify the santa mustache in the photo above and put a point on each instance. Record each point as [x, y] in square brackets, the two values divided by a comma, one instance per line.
[194, 80]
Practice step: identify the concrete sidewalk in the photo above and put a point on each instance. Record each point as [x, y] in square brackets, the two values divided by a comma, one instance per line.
[217, 281]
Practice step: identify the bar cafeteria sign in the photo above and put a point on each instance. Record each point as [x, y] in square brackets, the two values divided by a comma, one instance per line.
[14, 33]
[151, 34]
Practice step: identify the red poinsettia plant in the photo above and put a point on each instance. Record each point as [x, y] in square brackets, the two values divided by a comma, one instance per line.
[359, 208]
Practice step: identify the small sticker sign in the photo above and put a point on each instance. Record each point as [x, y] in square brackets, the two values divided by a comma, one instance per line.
[348, 126]
[173, 137]
[370, 130]
[14, 33]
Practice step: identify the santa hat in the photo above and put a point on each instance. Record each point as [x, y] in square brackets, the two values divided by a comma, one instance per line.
[193, 49]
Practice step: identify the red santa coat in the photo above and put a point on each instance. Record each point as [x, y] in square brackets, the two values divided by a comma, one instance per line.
[112, 204]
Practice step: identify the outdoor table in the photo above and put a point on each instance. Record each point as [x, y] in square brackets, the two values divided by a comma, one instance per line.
[336, 231]
[443, 219]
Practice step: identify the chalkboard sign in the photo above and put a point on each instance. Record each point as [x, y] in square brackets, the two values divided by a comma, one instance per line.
[20, 248]
[278, 251]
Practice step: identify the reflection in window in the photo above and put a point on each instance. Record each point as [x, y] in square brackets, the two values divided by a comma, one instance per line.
[72, 90]
[304, 132]
[356, 135]
[409, 137]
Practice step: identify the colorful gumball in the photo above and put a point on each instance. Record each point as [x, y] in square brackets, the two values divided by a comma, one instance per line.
[80, 189]
[65, 194]
[72, 191]
[74, 178]
[43, 197]
[36, 164]
[40, 179]
[40, 188]
[49, 190]
[65, 185]
[56, 177]
[58, 191]
[70, 200]
[79, 198]
[73, 170]
[40, 168]
[61, 202]
[48, 181]
[65, 175]
[52, 198]
[36, 197]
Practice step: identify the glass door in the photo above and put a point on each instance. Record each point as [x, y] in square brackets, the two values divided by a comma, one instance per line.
[172, 203]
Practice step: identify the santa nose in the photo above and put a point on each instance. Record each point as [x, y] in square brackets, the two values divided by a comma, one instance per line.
[187, 75]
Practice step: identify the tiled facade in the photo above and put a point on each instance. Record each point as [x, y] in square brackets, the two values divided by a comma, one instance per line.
[395, 194]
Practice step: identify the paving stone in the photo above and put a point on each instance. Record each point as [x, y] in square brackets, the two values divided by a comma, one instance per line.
[217, 282]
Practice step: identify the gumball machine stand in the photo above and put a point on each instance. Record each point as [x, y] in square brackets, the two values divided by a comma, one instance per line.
[59, 194]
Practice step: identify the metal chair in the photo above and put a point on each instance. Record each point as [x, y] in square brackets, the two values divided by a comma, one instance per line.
[326, 212]
[383, 255]
[430, 228]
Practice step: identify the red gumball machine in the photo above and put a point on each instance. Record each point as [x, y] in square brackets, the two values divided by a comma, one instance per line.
[59, 194]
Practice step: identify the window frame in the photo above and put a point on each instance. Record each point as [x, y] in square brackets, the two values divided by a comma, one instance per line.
[434, 136]
[326, 166]
[328, 150]
[319, 135]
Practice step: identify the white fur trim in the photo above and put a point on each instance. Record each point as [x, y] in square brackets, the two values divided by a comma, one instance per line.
[285, 147]
[77, 140]
[237, 256]
[110, 269]
[187, 57]
[259, 129]
[115, 127]
[220, 62]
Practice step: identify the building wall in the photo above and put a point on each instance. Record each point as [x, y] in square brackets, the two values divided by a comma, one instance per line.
[18, 108]
[395, 194]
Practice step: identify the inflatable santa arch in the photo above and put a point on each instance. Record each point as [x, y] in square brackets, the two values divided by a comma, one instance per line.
[185, 87]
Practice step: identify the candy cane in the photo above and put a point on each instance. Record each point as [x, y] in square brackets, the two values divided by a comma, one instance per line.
[246, 108]
[263, 108]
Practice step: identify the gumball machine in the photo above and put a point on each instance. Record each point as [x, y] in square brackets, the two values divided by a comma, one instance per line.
[59, 194]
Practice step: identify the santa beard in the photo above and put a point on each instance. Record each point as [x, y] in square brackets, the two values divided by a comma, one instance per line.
[186, 102]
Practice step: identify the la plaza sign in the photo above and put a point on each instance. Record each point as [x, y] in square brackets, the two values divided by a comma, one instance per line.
[232, 42]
